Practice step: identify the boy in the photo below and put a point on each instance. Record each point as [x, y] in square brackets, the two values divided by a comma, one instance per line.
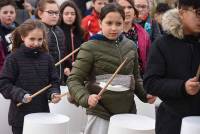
[7, 24]
[90, 23]
[173, 62]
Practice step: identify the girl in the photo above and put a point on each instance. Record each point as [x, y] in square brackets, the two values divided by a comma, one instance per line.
[97, 59]
[48, 12]
[26, 70]
[135, 32]
[70, 24]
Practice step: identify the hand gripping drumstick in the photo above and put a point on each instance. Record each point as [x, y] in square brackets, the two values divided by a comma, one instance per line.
[110, 80]
[48, 86]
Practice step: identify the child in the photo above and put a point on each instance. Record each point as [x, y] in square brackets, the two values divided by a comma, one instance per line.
[172, 66]
[99, 58]
[26, 70]
[7, 24]
[70, 24]
[90, 23]
[48, 12]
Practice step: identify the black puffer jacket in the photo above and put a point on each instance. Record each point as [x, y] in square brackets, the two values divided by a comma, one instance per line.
[173, 59]
[27, 71]
[56, 40]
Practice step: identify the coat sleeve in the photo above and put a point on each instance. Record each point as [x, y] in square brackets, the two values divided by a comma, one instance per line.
[155, 80]
[79, 74]
[139, 90]
[8, 78]
[54, 79]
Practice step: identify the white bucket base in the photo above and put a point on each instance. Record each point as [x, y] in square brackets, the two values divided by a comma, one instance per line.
[131, 124]
[190, 125]
[45, 123]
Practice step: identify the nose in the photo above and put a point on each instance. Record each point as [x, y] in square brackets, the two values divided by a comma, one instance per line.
[114, 28]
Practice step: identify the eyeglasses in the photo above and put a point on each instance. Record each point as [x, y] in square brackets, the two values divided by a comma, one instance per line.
[196, 11]
[52, 13]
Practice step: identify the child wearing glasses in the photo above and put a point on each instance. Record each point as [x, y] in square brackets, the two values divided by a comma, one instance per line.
[48, 12]
[173, 63]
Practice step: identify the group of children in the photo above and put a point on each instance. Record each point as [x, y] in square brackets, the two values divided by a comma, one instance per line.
[38, 44]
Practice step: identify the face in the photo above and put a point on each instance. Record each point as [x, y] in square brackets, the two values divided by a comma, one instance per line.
[143, 8]
[190, 21]
[128, 9]
[69, 15]
[98, 4]
[34, 38]
[7, 15]
[50, 15]
[112, 25]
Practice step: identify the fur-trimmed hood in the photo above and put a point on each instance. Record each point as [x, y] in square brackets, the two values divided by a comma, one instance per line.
[171, 23]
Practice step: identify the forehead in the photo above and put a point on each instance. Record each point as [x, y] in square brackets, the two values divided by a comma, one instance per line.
[141, 2]
[101, 1]
[113, 16]
[35, 33]
[51, 6]
[123, 2]
[7, 8]
[69, 9]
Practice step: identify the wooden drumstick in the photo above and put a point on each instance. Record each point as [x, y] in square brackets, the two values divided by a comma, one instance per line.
[113, 76]
[66, 57]
[198, 73]
[37, 93]
[48, 86]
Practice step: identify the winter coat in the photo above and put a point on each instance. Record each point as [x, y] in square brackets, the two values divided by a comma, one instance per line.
[56, 40]
[100, 56]
[5, 31]
[73, 40]
[2, 55]
[27, 71]
[173, 59]
[90, 24]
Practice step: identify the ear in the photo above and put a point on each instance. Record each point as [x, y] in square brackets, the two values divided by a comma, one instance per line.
[22, 38]
[40, 14]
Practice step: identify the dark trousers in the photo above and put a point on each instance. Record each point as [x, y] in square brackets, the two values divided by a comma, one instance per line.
[17, 130]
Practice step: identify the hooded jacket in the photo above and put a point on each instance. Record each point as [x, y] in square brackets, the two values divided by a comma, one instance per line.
[173, 59]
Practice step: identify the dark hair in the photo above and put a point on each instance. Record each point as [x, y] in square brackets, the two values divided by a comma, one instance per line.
[77, 22]
[189, 3]
[24, 29]
[6, 3]
[133, 6]
[112, 7]
[41, 6]
[162, 8]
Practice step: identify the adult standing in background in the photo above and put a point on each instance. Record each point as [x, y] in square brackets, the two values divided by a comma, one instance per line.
[145, 20]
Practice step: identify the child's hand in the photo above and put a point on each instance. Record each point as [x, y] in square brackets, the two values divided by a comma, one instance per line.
[27, 98]
[93, 100]
[55, 98]
[151, 99]
[192, 86]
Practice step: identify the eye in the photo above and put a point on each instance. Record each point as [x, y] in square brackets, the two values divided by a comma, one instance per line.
[118, 23]
[5, 12]
[109, 23]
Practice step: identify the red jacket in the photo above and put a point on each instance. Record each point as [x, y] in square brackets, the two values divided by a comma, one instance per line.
[144, 43]
[90, 24]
